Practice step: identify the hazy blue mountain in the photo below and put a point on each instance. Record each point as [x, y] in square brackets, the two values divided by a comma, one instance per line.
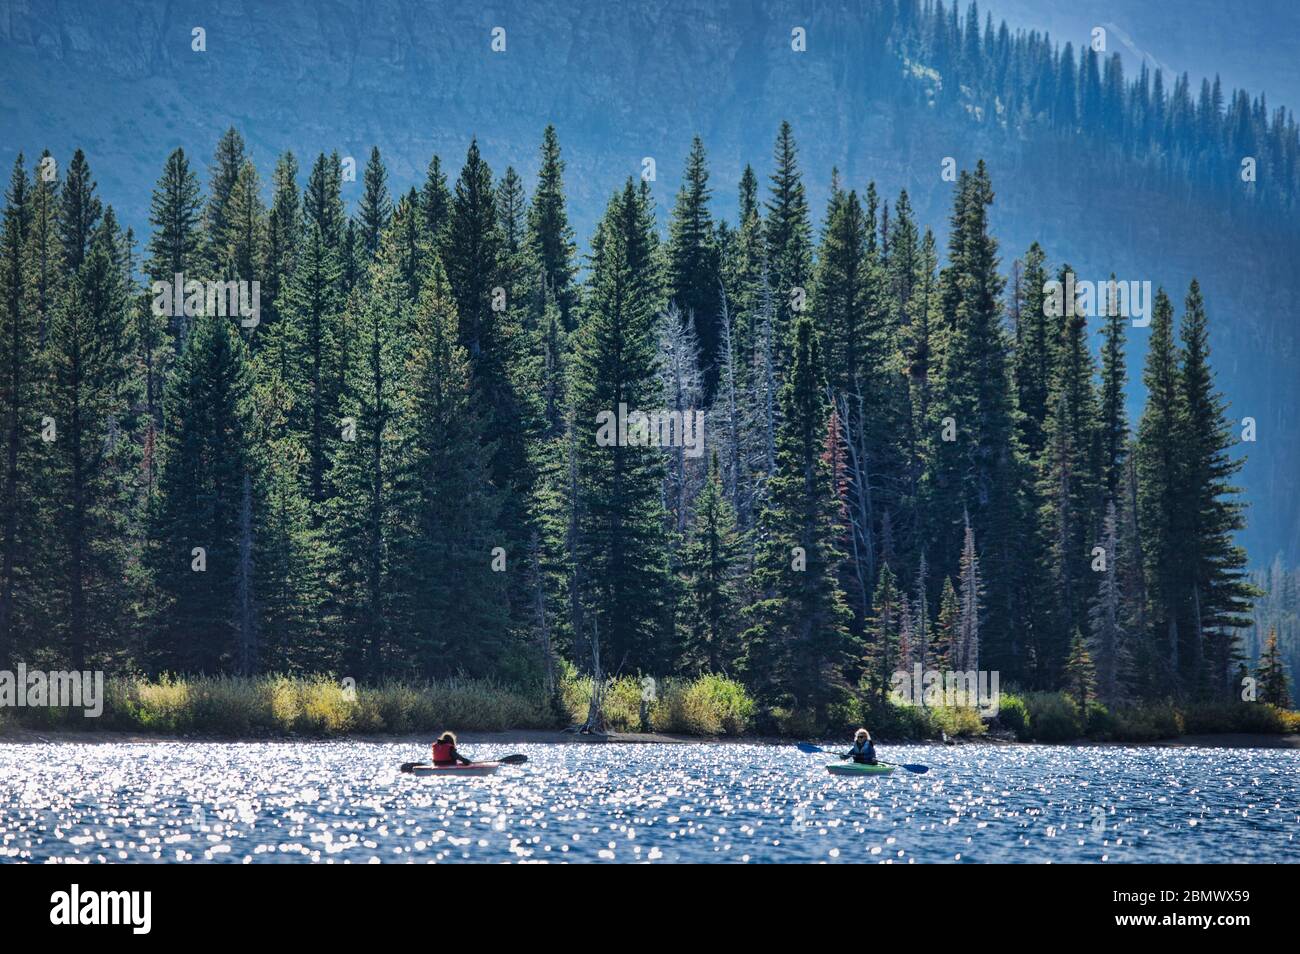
[626, 81]
[1249, 43]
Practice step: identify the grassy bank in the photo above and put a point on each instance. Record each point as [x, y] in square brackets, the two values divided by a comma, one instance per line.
[320, 706]
[707, 706]
[310, 706]
[1056, 717]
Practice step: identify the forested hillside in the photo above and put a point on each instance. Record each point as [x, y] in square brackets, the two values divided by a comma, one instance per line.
[393, 466]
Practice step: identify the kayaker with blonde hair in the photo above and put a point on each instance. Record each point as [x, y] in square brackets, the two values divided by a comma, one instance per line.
[444, 751]
[864, 750]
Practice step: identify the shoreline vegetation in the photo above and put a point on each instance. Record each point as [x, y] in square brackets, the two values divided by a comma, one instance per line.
[271, 708]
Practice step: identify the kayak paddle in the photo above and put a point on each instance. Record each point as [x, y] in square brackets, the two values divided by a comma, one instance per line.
[815, 749]
[914, 767]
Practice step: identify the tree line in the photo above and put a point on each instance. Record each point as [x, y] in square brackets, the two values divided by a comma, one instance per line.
[1023, 82]
[395, 471]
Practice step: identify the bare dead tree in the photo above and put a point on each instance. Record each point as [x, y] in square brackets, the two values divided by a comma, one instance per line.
[734, 474]
[682, 387]
[595, 723]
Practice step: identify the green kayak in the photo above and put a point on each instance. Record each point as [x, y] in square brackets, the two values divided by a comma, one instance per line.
[858, 768]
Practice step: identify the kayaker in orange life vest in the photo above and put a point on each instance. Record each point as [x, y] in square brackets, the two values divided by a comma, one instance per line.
[444, 751]
[864, 750]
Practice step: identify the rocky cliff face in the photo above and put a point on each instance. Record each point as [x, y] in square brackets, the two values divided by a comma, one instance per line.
[622, 82]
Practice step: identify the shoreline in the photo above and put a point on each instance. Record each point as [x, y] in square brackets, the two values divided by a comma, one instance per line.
[15, 735]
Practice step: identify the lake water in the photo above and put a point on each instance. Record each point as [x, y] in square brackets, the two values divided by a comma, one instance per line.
[347, 802]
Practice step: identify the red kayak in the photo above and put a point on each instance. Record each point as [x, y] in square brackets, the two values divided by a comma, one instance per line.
[474, 768]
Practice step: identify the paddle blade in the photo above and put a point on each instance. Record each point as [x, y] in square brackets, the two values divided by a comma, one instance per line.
[408, 766]
[513, 760]
[809, 748]
[918, 769]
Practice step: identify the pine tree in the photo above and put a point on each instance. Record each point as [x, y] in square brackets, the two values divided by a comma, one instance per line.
[90, 354]
[352, 263]
[313, 356]
[176, 214]
[1034, 349]
[435, 206]
[493, 339]
[376, 208]
[289, 572]
[79, 212]
[946, 627]
[730, 404]
[457, 604]
[287, 579]
[1160, 481]
[918, 350]
[284, 230]
[1113, 417]
[1274, 687]
[797, 644]
[19, 383]
[1134, 611]
[550, 238]
[742, 265]
[977, 470]
[44, 281]
[227, 164]
[511, 213]
[553, 359]
[839, 302]
[884, 646]
[1070, 479]
[43, 266]
[413, 253]
[1080, 682]
[710, 566]
[693, 263]
[1211, 510]
[175, 248]
[239, 252]
[366, 505]
[322, 201]
[193, 551]
[788, 235]
[619, 533]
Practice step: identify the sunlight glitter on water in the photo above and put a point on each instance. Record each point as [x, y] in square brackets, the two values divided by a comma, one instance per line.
[346, 802]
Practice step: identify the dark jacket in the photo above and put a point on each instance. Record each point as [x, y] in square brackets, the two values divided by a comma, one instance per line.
[866, 754]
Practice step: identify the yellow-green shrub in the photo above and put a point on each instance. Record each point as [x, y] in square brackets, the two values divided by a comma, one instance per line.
[709, 705]
[957, 721]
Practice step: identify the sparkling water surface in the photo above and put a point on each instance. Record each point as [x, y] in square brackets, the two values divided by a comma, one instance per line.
[346, 802]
